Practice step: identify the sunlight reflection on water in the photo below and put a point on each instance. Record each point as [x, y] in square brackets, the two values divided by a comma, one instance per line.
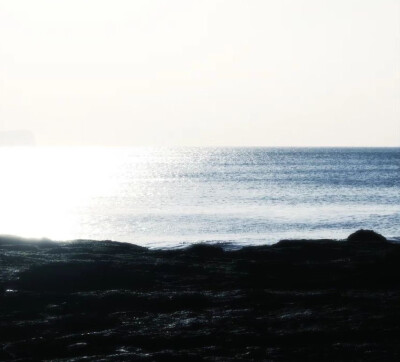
[163, 197]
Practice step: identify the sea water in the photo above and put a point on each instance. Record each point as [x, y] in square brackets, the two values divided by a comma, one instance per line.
[169, 197]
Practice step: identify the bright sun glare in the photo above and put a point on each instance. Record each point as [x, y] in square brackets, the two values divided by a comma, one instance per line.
[43, 190]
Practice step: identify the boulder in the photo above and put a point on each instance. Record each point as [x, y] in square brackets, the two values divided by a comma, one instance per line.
[366, 237]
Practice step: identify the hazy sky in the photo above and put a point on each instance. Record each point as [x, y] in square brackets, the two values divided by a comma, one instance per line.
[202, 73]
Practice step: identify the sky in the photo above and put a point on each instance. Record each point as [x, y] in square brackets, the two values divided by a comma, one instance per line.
[201, 72]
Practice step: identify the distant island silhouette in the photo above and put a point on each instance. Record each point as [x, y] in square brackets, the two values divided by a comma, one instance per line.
[17, 138]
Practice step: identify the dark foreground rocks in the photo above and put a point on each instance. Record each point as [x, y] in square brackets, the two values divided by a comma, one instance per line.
[106, 301]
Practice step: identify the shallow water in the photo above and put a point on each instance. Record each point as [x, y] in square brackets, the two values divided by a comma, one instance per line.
[172, 196]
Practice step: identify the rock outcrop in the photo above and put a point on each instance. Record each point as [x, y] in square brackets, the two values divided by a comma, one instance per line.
[106, 301]
[366, 237]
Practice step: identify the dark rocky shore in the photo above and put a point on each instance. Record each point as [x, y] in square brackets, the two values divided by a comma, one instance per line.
[108, 301]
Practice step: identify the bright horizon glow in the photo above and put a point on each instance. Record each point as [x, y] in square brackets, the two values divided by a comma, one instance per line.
[201, 73]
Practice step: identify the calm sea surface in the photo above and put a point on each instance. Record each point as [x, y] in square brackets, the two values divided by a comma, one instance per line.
[164, 197]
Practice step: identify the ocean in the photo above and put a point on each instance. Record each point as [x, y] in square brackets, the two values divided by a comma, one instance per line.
[171, 197]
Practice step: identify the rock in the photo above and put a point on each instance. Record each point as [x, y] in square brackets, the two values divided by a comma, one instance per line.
[103, 301]
[205, 250]
[366, 237]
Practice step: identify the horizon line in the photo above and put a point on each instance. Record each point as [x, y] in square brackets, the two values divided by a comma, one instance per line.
[185, 146]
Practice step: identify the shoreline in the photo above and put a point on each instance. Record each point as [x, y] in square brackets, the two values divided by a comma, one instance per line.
[293, 300]
[226, 245]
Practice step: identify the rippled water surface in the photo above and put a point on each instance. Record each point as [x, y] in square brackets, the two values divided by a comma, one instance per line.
[169, 197]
